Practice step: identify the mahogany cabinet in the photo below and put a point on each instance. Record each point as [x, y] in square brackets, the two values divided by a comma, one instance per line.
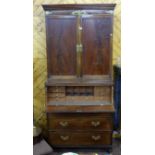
[79, 86]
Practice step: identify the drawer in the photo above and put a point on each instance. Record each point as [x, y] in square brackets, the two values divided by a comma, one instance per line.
[56, 95]
[83, 122]
[80, 138]
[102, 91]
[56, 89]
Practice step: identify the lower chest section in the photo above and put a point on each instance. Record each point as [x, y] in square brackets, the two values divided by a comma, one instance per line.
[80, 129]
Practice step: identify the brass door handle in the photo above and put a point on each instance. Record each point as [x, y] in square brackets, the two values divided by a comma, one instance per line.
[64, 138]
[63, 124]
[95, 123]
[96, 137]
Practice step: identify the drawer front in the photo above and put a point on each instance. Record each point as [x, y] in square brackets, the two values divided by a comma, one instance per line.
[80, 123]
[56, 95]
[102, 91]
[80, 138]
[56, 89]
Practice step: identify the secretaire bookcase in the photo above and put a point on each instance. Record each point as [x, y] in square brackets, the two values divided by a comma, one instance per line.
[79, 86]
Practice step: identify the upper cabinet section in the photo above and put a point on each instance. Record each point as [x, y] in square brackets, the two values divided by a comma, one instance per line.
[79, 40]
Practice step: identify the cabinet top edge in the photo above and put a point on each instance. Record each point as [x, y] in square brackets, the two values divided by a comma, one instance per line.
[102, 6]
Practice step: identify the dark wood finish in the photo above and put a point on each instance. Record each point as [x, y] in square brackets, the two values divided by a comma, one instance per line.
[96, 42]
[80, 109]
[82, 138]
[79, 115]
[92, 31]
[60, 53]
[71, 122]
[79, 6]
[84, 81]
[79, 87]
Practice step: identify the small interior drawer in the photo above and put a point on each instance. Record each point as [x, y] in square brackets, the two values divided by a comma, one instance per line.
[56, 89]
[102, 91]
[56, 95]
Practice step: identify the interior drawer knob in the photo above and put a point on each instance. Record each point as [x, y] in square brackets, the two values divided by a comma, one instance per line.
[96, 137]
[63, 124]
[95, 123]
[64, 138]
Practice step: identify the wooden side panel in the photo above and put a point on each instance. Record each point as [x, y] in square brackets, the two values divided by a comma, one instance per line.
[61, 44]
[96, 42]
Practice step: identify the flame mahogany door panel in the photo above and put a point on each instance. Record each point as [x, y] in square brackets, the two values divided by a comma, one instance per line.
[61, 45]
[96, 39]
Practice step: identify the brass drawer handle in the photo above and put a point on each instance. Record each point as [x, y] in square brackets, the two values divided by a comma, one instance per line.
[95, 123]
[64, 138]
[63, 124]
[96, 137]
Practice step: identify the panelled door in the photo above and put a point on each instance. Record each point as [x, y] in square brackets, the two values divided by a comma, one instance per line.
[96, 39]
[61, 44]
[79, 43]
